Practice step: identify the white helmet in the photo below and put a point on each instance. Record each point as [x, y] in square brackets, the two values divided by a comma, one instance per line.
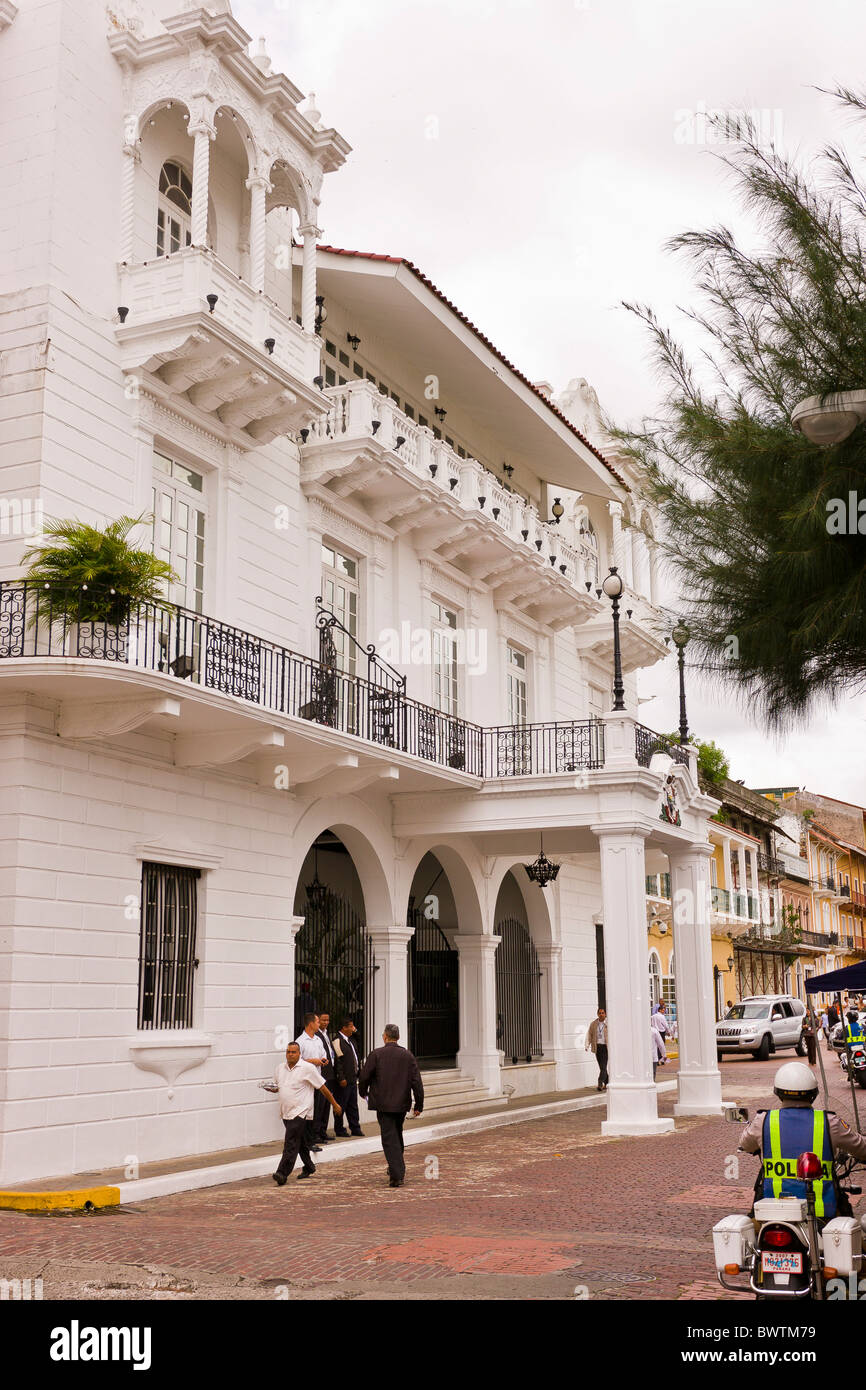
[797, 1082]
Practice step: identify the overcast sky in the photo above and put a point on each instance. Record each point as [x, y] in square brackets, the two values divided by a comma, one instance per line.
[533, 156]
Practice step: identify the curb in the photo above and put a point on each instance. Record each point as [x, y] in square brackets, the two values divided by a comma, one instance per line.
[192, 1179]
[80, 1199]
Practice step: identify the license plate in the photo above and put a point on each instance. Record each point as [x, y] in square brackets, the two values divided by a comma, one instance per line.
[774, 1262]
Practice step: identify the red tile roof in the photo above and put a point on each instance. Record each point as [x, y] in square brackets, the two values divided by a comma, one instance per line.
[401, 260]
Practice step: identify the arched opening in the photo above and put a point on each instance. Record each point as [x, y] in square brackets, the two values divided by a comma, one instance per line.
[286, 212]
[588, 540]
[333, 951]
[433, 966]
[519, 1024]
[655, 978]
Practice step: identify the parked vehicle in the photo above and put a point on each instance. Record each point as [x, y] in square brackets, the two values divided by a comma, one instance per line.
[783, 1249]
[761, 1024]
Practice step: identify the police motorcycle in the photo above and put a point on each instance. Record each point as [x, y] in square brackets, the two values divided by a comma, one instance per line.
[794, 1242]
[851, 1053]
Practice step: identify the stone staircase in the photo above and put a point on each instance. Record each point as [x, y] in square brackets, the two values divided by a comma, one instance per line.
[451, 1090]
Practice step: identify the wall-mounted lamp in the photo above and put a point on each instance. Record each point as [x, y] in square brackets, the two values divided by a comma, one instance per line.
[122, 311]
[212, 300]
[320, 382]
[321, 312]
[439, 412]
[354, 341]
[270, 344]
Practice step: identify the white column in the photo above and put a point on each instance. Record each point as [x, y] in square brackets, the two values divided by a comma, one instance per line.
[478, 1055]
[259, 188]
[756, 887]
[308, 277]
[550, 964]
[631, 1094]
[131, 160]
[390, 982]
[699, 1083]
[615, 509]
[744, 886]
[200, 178]
[642, 581]
[726, 865]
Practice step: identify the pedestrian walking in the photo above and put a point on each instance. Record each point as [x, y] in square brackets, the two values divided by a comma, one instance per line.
[661, 1028]
[348, 1067]
[312, 1050]
[657, 1042]
[597, 1042]
[390, 1081]
[808, 1035]
[825, 1026]
[298, 1083]
[321, 1109]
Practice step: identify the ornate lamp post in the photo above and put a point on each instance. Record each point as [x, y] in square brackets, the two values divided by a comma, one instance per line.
[613, 587]
[681, 636]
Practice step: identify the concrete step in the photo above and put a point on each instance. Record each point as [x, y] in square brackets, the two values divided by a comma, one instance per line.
[452, 1091]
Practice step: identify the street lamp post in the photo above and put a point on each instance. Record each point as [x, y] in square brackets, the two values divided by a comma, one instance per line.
[681, 636]
[613, 587]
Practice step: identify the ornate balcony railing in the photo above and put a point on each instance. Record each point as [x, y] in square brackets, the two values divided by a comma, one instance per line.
[769, 864]
[646, 743]
[35, 622]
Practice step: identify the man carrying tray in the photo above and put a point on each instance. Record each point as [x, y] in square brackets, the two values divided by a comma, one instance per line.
[296, 1083]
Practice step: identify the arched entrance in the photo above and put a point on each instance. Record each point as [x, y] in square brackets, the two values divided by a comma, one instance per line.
[518, 979]
[333, 952]
[433, 966]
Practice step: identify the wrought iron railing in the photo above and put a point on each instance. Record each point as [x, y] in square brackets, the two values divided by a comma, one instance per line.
[646, 743]
[516, 750]
[769, 864]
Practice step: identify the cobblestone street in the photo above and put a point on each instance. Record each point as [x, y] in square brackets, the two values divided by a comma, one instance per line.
[538, 1210]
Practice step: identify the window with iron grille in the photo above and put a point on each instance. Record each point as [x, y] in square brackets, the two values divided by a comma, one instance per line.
[167, 960]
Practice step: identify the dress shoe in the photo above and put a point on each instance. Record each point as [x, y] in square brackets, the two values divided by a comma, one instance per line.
[306, 1173]
[315, 1148]
[279, 1179]
[326, 1138]
[395, 1182]
[357, 1134]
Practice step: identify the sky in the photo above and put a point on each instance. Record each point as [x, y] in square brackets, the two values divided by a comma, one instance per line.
[533, 157]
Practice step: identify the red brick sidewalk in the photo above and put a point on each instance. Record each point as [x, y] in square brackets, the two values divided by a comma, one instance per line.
[537, 1210]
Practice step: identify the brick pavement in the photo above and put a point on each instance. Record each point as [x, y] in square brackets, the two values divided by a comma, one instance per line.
[547, 1209]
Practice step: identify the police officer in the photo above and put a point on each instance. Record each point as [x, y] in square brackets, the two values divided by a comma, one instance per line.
[854, 1029]
[781, 1135]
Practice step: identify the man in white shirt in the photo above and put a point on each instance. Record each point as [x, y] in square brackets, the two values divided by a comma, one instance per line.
[297, 1083]
[312, 1050]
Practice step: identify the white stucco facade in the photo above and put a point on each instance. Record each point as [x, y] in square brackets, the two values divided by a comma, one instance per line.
[288, 464]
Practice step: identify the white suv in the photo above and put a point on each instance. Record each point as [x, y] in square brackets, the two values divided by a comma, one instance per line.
[761, 1024]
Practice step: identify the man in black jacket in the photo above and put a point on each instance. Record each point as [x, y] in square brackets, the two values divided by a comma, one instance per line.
[347, 1067]
[322, 1109]
[389, 1082]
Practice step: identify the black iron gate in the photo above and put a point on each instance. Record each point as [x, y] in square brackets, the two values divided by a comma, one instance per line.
[434, 1025]
[518, 993]
[334, 965]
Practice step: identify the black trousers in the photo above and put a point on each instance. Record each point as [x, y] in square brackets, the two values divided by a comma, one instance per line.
[295, 1143]
[320, 1115]
[601, 1058]
[391, 1128]
[347, 1096]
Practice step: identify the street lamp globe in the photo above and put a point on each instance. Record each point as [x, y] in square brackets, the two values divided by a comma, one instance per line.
[826, 421]
[680, 634]
[612, 584]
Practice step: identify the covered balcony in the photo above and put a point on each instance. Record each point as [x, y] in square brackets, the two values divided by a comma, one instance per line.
[367, 449]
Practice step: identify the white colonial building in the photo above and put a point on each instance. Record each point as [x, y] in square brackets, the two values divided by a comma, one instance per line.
[315, 776]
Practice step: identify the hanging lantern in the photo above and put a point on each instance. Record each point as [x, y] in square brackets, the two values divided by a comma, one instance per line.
[542, 871]
[316, 891]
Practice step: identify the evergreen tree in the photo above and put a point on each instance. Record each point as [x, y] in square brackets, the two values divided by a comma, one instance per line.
[776, 601]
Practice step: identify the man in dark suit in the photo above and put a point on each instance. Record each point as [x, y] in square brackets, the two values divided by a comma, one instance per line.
[389, 1081]
[347, 1067]
[321, 1109]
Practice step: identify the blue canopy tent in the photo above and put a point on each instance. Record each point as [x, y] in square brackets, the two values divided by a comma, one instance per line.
[850, 977]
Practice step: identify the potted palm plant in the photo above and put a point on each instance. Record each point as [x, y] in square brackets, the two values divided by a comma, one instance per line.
[98, 588]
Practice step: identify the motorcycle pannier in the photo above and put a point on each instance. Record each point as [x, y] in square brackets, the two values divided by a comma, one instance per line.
[842, 1239]
[732, 1237]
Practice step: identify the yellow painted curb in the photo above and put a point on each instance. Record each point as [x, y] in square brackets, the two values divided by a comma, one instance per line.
[61, 1201]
